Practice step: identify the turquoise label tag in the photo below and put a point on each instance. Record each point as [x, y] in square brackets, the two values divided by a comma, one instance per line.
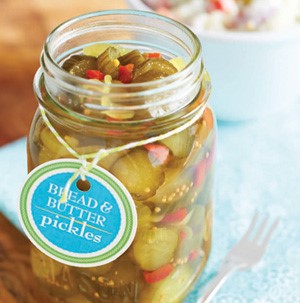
[94, 226]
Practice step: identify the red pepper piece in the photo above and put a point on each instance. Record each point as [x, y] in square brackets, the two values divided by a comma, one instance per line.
[159, 152]
[176, 216]
[153, 55]
[158, 274]
[126, 73]
[217, 5]
[94, 74]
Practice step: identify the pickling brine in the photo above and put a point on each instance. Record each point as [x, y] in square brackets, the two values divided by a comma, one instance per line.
[124, 93]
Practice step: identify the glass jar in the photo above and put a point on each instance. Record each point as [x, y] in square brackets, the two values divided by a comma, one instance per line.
[160, 137]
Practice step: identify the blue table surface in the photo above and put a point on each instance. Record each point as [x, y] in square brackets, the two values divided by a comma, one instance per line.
[258, 168]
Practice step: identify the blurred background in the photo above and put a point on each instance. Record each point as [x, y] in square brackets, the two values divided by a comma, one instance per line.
[25, 25]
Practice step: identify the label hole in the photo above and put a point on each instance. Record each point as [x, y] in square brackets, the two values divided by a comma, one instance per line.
[83, 185]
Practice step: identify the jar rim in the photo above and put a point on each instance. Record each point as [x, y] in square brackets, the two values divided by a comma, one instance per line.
[154, 83]
[72, 35]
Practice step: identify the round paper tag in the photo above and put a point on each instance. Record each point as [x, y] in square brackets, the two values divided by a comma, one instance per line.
[93, 227]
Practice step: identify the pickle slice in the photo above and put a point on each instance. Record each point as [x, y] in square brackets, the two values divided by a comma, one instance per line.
[181, 143]
[170, 290]
[52, 149]
[51, 143]
[202, 143]
[144, 215]
[154, 247]
[135, 57]
[108, 62]
[177, 184]
[153, 69]
[78, 65]
[110, 159]
[137, 174]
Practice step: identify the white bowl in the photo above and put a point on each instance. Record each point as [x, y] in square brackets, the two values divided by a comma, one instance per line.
[253, 73]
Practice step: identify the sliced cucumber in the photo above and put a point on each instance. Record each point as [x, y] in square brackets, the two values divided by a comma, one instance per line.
[78, 65]
[107, 62]
[154, 247]
[177, 184]
[135, 57]
[110, 159]
[138, 175]
[153, 69]
[51, 143]
[181, 143]
[144, 215]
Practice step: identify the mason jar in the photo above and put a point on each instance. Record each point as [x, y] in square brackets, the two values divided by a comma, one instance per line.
[119, 203]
